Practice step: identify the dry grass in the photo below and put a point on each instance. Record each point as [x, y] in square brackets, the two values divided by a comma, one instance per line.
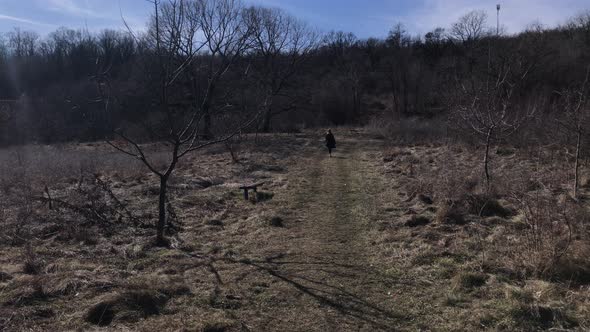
[88, 261]
[443, 253]
[523, 233]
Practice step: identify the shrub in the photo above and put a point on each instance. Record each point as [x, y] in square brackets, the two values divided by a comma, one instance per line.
[216, 326]
[484, 206]
[449, 213]
[541, 317]
[262, 196]
[129, 305]
[546, 244]
[5, 276]
[415, 221]
[470, 280]
[276, 222]
[414, 130]
[32, 263]
[425, 199]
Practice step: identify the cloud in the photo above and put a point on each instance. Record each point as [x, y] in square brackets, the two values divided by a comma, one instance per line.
[73, 7]
[515, 15]
[24, 20]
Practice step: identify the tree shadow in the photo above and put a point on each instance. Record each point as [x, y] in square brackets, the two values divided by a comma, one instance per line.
[320, 279]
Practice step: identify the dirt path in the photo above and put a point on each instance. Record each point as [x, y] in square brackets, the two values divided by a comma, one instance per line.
[328, 259]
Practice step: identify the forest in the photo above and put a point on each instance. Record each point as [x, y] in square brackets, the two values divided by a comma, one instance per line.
[52, 84]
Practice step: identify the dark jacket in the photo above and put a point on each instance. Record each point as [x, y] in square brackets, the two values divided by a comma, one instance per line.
[330, 141]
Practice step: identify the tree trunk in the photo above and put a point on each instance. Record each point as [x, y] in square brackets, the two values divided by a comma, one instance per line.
[406, 95]
[206, 107]
[577, 163]
[356, 100]
[266, 120]
[486, 159]
[395, 112]
[354, 108]
[207, 134]
[160, 240]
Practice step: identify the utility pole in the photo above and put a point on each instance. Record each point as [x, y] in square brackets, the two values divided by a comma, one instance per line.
[498, 20]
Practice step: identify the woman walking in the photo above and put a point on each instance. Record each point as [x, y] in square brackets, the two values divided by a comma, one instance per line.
[330, 142]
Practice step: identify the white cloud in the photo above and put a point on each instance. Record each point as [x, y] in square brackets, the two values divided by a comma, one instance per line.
[73, 7]
[23, 20]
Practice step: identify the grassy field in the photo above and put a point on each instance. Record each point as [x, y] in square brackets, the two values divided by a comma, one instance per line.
[381, 236]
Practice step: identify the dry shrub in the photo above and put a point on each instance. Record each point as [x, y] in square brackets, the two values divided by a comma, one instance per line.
[28, 290]
[486, 206]
[540, 317]
[573, 267]
[421, 189]
[92, 201]
[546, 246]
[32, 263]
[63, 180]
[416, 221]
[455, 211]
[460, 192]
[65, 285]
[262, 196]
[44, 165]
[18, 214]
[425, 199]
[409, 130]
[469, 280]
[277, 222]
[5, 276]
[218, 326]
[126, 306]
[454, 180]
[392, 154]
[449, 213]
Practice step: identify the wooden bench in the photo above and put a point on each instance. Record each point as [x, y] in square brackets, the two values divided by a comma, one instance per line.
[253, 187]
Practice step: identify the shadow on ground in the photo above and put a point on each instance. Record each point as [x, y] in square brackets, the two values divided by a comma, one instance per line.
[317, 279]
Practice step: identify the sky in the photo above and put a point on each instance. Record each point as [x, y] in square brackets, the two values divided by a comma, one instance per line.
[368, 18]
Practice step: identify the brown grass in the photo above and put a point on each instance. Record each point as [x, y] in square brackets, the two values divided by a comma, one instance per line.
[89, 260]
[524, 228]
[444, 252]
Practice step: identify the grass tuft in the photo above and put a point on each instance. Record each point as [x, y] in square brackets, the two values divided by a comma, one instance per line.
[449, 213]
[470, 280]
[416, 221]
[4, 276]
[263, 196]
[277, 222]
[128, 306]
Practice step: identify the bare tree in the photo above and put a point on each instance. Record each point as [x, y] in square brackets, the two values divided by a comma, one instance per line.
[281, 44]
[182, 34]
[348, 61]
[23, 43]
[576, 108]
[338, 42]
[470, 27]
[398, 69]
[581, 23]
[223, 25]
[489, 106]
